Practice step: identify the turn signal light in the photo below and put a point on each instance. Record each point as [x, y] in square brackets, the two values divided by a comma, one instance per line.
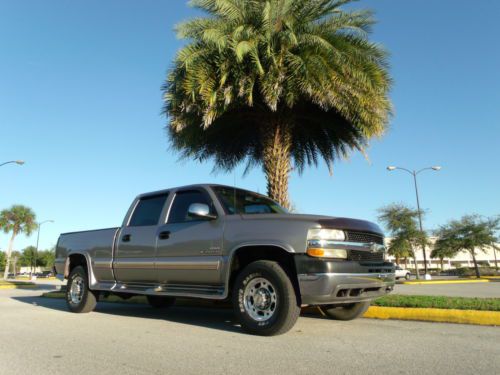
[327, 253]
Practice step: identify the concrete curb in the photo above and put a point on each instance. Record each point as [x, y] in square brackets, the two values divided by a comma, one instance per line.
[445, 282]
[487, 318]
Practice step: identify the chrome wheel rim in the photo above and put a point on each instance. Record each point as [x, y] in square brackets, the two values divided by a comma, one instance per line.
[76, 290]
[260, 299]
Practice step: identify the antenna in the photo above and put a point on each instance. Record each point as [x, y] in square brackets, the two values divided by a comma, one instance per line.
[234, 191]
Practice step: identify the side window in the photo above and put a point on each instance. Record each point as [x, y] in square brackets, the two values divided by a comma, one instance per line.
[182, 201]
[148, 211]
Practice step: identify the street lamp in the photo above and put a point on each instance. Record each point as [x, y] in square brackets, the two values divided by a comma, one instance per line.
[19, 162]
[38, 238]
[414, 174]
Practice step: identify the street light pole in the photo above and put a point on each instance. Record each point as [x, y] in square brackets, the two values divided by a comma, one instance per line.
[38, 238]
[19, 162]
[414, 174]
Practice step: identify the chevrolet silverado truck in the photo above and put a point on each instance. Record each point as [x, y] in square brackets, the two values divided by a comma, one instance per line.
[224, 243]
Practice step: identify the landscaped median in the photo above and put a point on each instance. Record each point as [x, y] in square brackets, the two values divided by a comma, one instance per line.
[16, 284]
[481, 311]
[455, 281]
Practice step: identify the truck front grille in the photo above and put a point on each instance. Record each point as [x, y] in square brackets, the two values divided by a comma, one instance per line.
[358, 255]
[364, 237]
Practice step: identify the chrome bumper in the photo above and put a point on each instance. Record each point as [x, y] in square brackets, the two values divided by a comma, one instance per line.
[338, 288]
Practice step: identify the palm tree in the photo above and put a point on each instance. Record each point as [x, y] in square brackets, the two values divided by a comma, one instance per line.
[276, 83]
[442, 250]
[401, 222]
[470, 233]
[18, 219]
[399, 248]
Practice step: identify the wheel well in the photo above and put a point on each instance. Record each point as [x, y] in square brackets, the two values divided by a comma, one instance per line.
[76, 260]
[248, 254]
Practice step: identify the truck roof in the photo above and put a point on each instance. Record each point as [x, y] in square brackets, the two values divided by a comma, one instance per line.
[193, 186]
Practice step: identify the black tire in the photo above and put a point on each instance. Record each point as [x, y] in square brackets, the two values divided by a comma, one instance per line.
[79, 298]
[160, 302]
[350, 312]
[279, 307]
[408, 276]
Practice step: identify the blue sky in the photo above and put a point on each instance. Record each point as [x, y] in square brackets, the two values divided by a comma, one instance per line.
[80, 101]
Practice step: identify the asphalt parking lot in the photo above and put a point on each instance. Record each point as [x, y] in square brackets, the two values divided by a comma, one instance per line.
[40, 337]
[479, 290]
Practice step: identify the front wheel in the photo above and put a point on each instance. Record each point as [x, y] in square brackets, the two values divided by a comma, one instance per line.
[79, 298]
[408, 276]
[264, 299]
[350, 312]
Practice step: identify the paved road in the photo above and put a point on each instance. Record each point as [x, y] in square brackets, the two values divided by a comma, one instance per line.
[482, 290]
[39, 336]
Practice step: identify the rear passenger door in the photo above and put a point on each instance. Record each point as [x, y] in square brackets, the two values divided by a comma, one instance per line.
[134, 260]
[190, 249]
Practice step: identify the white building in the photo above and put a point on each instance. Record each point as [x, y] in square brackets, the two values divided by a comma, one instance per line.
[485, 257]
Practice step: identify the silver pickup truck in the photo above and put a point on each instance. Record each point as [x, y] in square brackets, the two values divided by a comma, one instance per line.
[223, 243]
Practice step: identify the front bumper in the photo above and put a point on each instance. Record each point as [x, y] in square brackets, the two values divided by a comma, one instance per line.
[341, 282]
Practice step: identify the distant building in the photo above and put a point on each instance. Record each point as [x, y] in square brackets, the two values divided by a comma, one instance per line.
[462, 259]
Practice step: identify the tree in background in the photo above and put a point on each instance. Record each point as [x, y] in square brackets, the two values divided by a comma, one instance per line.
[46, 258]
[399, 248]
[275, 82]
[441, 252]
[2, 260]
[470, 233]
[18, 219]
[402, 224]
[28, 257]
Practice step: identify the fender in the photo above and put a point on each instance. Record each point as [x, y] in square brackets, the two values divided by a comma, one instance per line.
[229, 259]
[90, 271]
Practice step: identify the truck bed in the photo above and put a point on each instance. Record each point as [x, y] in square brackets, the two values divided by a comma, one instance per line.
[97, 245]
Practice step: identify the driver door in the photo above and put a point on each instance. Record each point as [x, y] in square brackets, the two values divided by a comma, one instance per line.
[189, 248]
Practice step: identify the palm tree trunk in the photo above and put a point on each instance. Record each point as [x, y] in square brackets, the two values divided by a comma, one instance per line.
[416, 263]
[9, 253]
[478, 275]
[277, 143]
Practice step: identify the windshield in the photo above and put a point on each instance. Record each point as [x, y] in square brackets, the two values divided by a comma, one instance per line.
[237, 201]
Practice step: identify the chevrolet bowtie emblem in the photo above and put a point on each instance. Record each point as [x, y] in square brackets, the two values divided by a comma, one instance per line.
[376, 248]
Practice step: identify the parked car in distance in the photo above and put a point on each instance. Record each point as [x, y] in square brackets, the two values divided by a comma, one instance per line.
[223, 243]
[401, 272]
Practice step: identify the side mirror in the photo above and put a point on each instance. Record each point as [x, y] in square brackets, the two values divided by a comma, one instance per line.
[200, 210]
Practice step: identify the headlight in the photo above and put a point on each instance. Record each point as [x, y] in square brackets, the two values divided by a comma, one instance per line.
[321, 243]
[326, 234]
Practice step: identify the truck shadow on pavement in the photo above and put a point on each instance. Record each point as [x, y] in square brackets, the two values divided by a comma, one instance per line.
[208, 317]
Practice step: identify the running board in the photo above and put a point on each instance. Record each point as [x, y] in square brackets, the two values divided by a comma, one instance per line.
[175, 290]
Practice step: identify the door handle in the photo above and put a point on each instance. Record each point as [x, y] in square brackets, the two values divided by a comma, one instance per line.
[126, 238]
[164, 235]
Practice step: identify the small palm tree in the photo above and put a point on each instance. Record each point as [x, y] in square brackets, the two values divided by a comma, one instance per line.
[18, 219]
[276, 83]
[442, 250]
[401, 222]
[470, 233]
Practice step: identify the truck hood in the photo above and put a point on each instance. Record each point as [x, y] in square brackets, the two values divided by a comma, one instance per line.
[325, 221]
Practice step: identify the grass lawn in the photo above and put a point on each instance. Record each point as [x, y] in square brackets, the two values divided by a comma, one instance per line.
[394, 300]
[439, 302]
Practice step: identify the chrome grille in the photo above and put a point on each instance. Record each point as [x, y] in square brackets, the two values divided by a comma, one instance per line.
[364, 237]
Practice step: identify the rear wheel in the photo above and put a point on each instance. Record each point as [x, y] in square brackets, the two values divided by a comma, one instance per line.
[79, 298]
[160, 301]
[264, 299]
[350, 312]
